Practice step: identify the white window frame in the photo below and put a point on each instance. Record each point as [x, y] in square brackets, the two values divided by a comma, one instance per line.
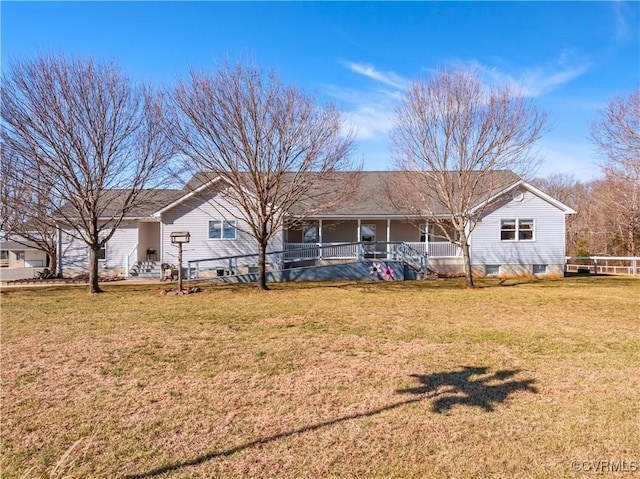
[518, 230]
[222, 223]
[102, 248]
[492, 270]
[541, 269]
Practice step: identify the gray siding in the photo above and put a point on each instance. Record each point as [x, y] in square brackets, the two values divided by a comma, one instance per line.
[193, 215]
[548, 246]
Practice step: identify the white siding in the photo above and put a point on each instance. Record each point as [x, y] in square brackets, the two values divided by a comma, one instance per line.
[193, 216]
[548, 246]
[34, 258]
[75, 252]
[120, 245]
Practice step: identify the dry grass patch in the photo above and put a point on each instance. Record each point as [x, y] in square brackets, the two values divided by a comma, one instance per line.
[414, 379]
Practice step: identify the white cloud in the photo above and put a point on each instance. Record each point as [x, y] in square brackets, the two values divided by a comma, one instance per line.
[370, 108]
[367, 69]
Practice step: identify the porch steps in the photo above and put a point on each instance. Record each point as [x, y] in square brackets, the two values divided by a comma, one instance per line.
[146, 270]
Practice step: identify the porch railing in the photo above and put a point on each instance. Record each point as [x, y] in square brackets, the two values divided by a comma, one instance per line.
[129, 261]
[305, 252]
[349, 250]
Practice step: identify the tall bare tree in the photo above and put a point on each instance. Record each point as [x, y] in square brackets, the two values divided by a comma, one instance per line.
[616, 135]
[88, 137]
[452, 136]
[272, 143]
[25, 211]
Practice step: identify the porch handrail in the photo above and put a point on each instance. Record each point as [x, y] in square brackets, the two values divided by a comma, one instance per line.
[127, 261]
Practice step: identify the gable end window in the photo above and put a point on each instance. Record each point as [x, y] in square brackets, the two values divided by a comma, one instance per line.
[222, 229]
[517, 230]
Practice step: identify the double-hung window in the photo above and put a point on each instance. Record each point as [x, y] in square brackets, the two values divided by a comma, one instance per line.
[517, 230]
[222, 229]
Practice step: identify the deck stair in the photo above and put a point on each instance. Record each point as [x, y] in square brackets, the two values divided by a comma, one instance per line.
[146, 270]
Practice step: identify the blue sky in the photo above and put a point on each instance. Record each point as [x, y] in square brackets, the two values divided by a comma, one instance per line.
[571, 56]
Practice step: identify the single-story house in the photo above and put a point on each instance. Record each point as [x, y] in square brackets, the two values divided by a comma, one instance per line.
[520, 232]
[24, 254]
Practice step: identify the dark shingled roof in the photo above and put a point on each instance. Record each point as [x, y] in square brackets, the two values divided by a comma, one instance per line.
[372, 193]
[147, 203]
[387, 193]
[11, 245]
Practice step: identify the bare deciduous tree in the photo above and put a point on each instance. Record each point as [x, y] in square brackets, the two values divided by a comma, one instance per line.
[88, 137]
[616, 135]
[273, 144]
[453, 136]
[25, 211]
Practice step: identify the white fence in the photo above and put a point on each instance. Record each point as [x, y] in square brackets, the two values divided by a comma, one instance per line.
[603, 264]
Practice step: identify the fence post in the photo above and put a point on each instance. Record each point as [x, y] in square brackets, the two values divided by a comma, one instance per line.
[595, 266]
[635, 265]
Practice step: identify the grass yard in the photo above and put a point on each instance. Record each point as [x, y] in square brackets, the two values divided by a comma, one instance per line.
[336, 380]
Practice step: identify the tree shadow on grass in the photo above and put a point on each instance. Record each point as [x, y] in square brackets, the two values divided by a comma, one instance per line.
[463, 388]
[471, 386]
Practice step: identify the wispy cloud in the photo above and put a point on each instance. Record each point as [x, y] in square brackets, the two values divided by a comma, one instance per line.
[368, 70]
[370, 105]
[621, 12]
[538, 80]
[369, 111]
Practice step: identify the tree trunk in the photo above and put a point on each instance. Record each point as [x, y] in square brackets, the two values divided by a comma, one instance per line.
[466, 255]
[262, 270]
[94, 287]
[53, 262]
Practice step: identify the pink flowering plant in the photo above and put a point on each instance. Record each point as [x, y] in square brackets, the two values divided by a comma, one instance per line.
[375, 269]
[378, 270]
[388, 273]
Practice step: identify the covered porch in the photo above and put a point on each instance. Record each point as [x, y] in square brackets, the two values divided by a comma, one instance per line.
[378, 237]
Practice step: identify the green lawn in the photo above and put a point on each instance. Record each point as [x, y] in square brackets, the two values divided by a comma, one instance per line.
[351, 380]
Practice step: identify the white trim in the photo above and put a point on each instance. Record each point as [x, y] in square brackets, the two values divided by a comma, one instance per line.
[222, 222]
[532, 189]
[516, 231]
[184, 198]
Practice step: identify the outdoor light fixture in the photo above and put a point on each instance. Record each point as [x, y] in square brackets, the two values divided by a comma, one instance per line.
[178, 238]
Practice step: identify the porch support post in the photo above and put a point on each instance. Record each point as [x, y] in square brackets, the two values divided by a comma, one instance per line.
[388, 238]
[426, 236]
[360, 253]
[320, 239]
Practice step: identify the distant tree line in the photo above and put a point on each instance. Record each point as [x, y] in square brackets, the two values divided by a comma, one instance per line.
[608, 209]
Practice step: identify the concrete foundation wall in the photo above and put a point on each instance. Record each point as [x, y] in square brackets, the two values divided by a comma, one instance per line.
[520, 270]
[359, 271]
[446, 265]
